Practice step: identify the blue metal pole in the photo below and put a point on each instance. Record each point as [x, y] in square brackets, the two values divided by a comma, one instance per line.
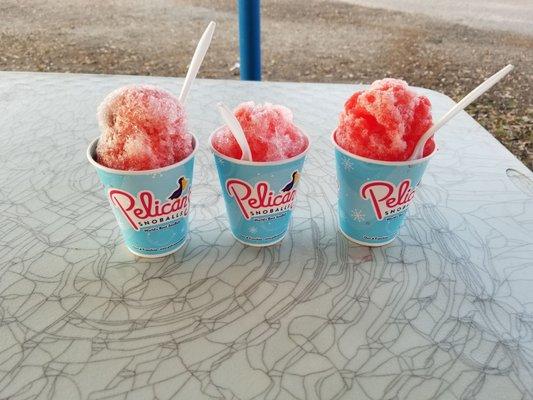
[250, 39]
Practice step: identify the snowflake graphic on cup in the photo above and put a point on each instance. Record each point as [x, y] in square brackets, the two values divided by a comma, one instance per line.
[357, 215]
[347, 164]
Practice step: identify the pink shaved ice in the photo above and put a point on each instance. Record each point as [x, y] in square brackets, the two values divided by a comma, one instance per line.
[269, 130]
[142, 127]
[384, 122]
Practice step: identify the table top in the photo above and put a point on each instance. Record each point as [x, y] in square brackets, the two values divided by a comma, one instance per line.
[445, 311]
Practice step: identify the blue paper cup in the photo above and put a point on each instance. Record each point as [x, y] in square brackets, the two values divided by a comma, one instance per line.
[374, 196]
[152, 206]
[259, 196]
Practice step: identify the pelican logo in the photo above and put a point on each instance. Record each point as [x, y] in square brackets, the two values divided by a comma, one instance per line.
[260, 199]
[386, 198]
[145, 209]
[180, 191]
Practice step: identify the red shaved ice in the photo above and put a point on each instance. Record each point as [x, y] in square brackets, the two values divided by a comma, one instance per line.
[384, 122]
[142, 127]
[269, 130]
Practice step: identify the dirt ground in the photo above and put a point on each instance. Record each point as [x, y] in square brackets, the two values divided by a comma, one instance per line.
[303, 40]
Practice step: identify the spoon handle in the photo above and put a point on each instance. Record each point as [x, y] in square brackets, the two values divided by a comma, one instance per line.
[237, 131]
[465, 102]
[197, 58]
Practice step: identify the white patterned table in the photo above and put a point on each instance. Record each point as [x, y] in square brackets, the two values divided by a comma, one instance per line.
[445, 311]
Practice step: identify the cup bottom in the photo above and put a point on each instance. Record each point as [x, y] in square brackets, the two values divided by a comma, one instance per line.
[159, 255]
[259, 244]
[365, 243]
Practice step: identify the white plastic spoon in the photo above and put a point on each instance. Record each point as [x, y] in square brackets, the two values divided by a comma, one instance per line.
[236, 128]
[465, 102]
[197, 58]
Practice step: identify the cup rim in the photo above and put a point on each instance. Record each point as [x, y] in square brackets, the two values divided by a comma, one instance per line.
[381, 162]
[92, 148]
[259, 163]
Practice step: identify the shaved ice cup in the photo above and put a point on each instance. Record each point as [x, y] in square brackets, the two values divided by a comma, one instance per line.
[152, 206]
[259, 196]
[374, 195]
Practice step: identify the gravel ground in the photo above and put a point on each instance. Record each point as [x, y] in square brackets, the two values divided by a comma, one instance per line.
[303, 40]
